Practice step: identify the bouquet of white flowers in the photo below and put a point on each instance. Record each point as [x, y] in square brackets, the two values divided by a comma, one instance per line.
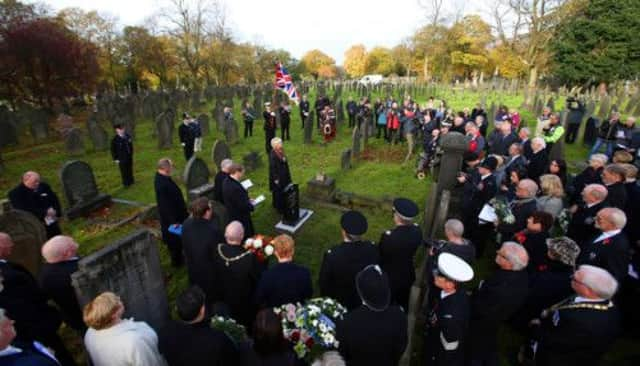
[311, 327]
[502, 209]
[261, 246]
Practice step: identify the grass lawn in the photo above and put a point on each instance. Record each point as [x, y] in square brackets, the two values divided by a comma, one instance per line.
[379, 173]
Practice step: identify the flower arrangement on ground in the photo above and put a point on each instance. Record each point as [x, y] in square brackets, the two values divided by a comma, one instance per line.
[311, 327]
[236, 332]
[261, 246]
[502, 209]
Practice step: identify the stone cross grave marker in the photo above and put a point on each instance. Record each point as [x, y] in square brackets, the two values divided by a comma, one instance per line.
[131, 269]
[80, 189]
[28, 235]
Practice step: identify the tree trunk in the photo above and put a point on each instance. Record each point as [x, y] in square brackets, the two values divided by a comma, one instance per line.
[533, 81]
[425, 68]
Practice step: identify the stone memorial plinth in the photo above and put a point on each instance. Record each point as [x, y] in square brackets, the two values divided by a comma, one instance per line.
[80, 189]
[131, 269]
[322, 190]
[28, 235]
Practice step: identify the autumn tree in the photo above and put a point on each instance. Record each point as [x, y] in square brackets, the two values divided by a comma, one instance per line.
[470, 38]
[354, 61]
[43, 62]
[318, 64]
[380, 61]
[148, 58]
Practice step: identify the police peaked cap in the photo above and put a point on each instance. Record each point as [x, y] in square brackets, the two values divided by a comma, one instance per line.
[354, 223]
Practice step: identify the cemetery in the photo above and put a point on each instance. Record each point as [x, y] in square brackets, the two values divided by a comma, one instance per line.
[119, 229]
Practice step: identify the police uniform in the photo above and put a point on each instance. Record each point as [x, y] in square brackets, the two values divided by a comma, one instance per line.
[342, 262]
[375, 333]
[448, 317]
[398, 247]
[122, 153]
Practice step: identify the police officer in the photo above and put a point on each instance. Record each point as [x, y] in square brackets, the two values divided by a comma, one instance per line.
[398, 248]
[375, 333]
[448, 317]
[269, 126]
[122, 153]
[342, 262]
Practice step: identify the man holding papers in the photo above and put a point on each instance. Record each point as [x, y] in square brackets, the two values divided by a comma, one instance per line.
[237, 201]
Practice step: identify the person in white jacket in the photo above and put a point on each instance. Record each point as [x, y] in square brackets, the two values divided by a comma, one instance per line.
[113, 341]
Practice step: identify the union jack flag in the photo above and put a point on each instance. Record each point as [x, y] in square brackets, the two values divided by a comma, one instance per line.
[284, 82]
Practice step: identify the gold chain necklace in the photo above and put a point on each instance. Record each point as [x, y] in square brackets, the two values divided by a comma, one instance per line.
[232, 259]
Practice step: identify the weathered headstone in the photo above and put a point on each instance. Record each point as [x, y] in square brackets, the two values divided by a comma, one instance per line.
[454, 145]
[73, 142]
[164, 126]
[28, 235]
[308, 128]
[220, 215]
[97, 134]
[9, 135]
[355, 142]
[219, 152]
[131, 269]
[80, 189]
[203, 119]
[39, 124]
[605, 106]
[345, 159]
[196, 173]
[251, 161]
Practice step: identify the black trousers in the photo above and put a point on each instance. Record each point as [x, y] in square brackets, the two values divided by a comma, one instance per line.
[285, 131]
[302, 118]
[572, 133]
[188, 151]
[248, 128]
[126, 172]
[174, 245]
[268, 135]
[382, 130]
[352, 120]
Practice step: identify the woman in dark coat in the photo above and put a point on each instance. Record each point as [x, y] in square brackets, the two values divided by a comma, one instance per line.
[269, 347]
[279, 174]
[534, 239]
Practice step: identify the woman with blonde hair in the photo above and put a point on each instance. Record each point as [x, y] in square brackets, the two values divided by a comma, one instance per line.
[113, 341]
[552, 194]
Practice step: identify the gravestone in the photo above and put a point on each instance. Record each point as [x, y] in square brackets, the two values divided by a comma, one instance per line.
[28, 235]
[251, 161]
[605, 105]
[73, 142]
[345, 159]
[164, 126]
[80, 189]
[220, 215]
[291, 212]
[308, 128]
[203, 119]
[453, 145]
[365, 133]
[9, 135]
[196, 173]
[97, 134]
[340, 112]
[219, 152]
[39, 124]
[131, 269]
[355, 142]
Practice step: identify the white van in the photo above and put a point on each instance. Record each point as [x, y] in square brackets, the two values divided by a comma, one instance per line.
[372, 79]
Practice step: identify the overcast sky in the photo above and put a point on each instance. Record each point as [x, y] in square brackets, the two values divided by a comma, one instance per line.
[298, 25]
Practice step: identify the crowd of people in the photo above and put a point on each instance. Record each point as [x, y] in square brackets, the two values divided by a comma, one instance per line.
[566, 276]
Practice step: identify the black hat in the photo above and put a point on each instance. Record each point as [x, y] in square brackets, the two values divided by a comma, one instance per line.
[470, 156]
[189, 303]
[354, 223]
[373, 287]
[489, 163]
[405, 208]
